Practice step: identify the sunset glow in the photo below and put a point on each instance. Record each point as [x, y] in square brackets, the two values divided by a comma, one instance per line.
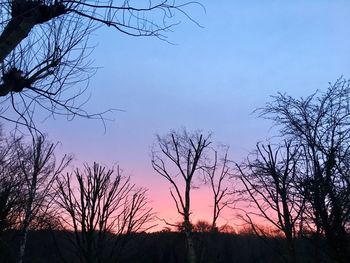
[209, 80]
[172, 93]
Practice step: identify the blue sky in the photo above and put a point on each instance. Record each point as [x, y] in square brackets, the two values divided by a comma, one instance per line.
[212, 79]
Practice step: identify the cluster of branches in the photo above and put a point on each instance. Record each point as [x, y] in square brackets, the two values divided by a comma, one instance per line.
[34, 194]
[44, 49]
[103, 211]
[302, 184]
[269, 179]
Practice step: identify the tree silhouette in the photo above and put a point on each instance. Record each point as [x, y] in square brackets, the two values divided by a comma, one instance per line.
[179, 154]
[320, 123]
[38, 170]
[44, 49]
[270, 180]
[217, 172]
[103, 211]
[11, 184]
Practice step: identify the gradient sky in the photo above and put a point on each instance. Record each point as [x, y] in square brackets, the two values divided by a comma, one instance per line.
[212, 79]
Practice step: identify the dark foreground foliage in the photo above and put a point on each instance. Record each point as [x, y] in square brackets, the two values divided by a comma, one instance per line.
[168, 247]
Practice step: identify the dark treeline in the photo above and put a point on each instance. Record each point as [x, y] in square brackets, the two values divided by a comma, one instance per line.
[168, 247]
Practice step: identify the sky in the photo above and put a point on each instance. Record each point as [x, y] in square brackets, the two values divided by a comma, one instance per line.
[210, 78]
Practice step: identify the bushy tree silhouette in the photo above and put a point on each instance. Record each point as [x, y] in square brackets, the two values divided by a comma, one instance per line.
[320, 125]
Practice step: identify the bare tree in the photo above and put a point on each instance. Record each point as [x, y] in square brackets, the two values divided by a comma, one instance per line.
[217, 172]
[270, 180]
[38, 169]
[103, 211]
[10, 183]
[179, 154]
[44, 49]
[321, 124]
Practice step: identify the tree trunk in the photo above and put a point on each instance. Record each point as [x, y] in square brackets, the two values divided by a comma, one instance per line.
[191, 254]
[291, 251]
[23, 241]
[288, 229]
[23, 244]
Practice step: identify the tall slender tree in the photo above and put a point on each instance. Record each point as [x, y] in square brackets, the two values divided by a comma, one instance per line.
[218, 170]
[178, 158]
[38, 169]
